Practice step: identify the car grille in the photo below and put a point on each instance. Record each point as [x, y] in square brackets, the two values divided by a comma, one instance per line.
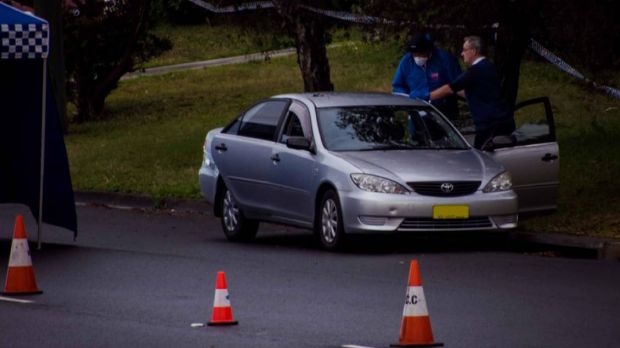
[448, 224]
[434, 188]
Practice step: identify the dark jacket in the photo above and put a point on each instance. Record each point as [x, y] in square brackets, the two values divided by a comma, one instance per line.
[483, 92]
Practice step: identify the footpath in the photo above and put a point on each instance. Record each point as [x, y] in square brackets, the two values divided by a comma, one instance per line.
[261, 56]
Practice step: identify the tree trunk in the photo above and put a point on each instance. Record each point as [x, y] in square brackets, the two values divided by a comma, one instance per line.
[89, 103]
[110, 80]
[309, 35]
[92, 91]
[513, 37]
[312, 55]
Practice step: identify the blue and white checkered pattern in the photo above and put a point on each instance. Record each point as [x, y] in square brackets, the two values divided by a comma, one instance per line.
[24, 41]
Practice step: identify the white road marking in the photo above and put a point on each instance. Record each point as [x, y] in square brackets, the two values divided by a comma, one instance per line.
[9, 299]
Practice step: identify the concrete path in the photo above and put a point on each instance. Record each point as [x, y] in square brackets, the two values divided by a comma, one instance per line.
[261, 56]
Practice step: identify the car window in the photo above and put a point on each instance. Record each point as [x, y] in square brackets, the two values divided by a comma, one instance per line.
[297, 123]
[292, 127]
[386, 127]
[261, 121]
[534, 122]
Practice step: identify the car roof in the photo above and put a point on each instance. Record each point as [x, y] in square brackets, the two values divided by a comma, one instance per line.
[339, 99]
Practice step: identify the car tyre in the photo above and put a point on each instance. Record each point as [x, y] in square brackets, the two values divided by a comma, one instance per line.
[236, 226]
[328, 224]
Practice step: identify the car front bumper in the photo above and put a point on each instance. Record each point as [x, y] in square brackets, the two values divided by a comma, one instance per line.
[379, 212]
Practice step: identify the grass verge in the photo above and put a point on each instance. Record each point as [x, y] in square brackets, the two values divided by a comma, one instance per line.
[151, 142]
[201, 42]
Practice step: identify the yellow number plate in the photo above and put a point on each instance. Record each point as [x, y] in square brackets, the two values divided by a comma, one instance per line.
[450, 212]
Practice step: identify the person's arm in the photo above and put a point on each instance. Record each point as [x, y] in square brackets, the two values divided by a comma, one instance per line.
[456, 86]
[404, 75]
[399, 82]
[441, 92]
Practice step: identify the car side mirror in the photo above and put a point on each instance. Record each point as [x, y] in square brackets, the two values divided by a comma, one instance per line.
[300, 143]
[499, 141]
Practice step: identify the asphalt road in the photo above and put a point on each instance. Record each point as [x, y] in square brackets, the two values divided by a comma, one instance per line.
[141, 278]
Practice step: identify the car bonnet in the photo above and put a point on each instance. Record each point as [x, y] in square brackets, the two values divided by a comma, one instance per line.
[425, 165]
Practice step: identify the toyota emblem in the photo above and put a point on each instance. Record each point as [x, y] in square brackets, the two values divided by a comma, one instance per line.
[447, 187]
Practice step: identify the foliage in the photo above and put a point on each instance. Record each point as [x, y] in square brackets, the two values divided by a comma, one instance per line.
[587, 34]
[594, 47]
[102, 41]
[179, 12]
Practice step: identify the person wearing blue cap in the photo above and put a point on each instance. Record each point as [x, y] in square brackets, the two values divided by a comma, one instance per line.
[425, 68]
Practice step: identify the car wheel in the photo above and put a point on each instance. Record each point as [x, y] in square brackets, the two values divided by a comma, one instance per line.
[237, 228]
[328, 224]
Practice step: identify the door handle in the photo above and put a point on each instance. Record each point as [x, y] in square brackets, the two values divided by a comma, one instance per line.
[549, 157]
[275, 158]
[222, 147]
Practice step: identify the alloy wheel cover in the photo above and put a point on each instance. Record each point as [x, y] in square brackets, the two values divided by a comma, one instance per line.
[231, 212]
[329, 221]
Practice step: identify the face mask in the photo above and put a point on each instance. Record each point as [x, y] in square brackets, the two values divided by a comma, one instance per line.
[420, 61]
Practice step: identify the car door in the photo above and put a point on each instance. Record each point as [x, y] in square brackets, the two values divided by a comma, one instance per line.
[242, 154]
[292, 173]
[534, 159]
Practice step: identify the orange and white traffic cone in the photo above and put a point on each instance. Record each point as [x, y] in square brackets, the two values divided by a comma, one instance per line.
[20, 275]
[415, 328]
[222, 311]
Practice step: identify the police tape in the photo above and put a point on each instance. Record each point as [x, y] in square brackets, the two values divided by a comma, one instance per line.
[231, 9]
[349, 17]
[562, 65]
[363, 19]
[555, 60]
[356, 18]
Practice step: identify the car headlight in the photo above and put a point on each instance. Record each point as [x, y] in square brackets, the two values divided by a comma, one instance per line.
[374, 183]
[502, 182]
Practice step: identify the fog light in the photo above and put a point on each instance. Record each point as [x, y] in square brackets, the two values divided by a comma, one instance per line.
[373, 220]
[506, 221]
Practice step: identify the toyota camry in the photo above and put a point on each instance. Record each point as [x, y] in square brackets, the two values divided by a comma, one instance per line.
[342, 163]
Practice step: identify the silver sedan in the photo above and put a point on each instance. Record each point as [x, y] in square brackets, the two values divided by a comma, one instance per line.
[341, 163]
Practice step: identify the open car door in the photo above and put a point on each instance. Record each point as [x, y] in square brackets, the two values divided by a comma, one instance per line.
[532, 156]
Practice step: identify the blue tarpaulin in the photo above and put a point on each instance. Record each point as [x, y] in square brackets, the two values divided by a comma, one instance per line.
[30, 126]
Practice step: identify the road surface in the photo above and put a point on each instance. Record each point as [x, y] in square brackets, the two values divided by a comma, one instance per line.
[141, 278]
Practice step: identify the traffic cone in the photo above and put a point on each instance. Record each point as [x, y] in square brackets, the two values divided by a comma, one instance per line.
[20, 275]
[415, 328]
[222, 311]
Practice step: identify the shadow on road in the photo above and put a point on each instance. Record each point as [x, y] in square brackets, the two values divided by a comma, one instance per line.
[435, 242]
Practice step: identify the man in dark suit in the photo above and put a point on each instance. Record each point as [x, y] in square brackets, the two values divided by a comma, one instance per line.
[481, 86]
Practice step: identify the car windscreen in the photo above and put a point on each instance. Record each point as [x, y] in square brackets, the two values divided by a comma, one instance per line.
[386, 127]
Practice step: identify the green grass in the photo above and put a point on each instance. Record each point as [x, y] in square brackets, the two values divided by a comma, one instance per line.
[152, 142]
[588, 129]
[202, 42]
